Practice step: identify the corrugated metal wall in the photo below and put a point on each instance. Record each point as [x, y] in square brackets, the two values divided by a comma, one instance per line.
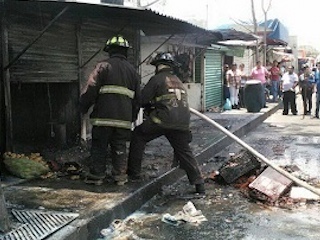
[213, 79]
[45, 81]
[53, 58]
[93, 36]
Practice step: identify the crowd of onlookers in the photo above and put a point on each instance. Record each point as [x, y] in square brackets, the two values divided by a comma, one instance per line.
[279, 82]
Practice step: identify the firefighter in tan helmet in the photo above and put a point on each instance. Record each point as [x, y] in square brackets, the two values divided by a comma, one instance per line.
[113, 89]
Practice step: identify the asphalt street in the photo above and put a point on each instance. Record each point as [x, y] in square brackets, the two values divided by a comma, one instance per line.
[284, 140]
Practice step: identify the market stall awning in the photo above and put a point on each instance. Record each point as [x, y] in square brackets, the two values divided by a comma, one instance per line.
[282, 56]
[232, 32]
[277, 33]
[237, 35]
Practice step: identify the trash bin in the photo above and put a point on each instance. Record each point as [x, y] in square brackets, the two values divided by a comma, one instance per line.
[253, 96]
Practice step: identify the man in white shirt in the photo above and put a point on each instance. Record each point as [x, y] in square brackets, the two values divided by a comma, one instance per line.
[289, 81]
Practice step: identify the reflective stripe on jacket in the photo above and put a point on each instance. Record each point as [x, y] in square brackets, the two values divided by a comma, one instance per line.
[117, 90]
[166, 101]
[103, 122]
[115, 94]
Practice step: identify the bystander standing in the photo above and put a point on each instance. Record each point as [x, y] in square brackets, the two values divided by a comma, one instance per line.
[260, 73]
[306, 86]
[317, 89]
[288, 83]
[244, 78]
[234, 78]
[275, 76]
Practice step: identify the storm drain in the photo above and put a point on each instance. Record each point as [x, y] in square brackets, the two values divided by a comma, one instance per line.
[38, 224]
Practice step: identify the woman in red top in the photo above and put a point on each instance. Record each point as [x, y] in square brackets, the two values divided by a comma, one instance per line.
[275, 75]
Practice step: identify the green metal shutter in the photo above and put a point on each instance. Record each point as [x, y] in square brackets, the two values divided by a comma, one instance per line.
[213, 79]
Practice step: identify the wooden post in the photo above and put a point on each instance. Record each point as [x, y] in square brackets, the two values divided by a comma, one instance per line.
[2, 105]
[4, 218]
[83, 125]
[6, 79]
[5, 224]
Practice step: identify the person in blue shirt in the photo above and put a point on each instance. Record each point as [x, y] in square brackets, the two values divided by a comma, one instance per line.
[317, 81]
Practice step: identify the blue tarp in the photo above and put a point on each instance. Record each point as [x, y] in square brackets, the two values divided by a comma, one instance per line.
[279, 34]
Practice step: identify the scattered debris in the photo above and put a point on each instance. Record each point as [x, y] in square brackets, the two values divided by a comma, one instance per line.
[263, 183]
[302, 193]
[271, 183]
[228, 127]
[238, 165]
[189, 214]
[116, 231]
[276, 125]
[215, 109]
[73, 170]
[172, 220]
[278, 149]
[212, 176]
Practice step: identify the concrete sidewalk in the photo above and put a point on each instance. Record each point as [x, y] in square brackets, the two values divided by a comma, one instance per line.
[98, 206]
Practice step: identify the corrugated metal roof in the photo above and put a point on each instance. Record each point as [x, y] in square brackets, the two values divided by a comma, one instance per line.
[149, 21]
[233, 34]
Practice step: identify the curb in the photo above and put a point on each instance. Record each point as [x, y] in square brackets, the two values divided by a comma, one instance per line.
[84, 229]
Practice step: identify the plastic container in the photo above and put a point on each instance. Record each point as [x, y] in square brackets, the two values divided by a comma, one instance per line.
[253, 95]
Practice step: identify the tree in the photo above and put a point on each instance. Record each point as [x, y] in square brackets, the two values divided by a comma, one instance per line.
[265, 12]
[255, 27]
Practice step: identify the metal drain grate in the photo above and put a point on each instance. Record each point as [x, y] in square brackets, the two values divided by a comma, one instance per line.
[38, 224]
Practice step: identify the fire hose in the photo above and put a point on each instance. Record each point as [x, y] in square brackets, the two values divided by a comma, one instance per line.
[256, 153]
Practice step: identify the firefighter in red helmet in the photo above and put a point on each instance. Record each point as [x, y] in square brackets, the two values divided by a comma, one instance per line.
[165, 100]
[113, 89]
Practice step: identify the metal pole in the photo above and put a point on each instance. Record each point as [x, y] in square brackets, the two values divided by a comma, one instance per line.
[257, 154]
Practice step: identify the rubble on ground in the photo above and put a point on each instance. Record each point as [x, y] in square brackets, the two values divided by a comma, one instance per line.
[264, 184]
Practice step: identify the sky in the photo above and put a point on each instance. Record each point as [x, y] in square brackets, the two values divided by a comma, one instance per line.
[300, 17]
